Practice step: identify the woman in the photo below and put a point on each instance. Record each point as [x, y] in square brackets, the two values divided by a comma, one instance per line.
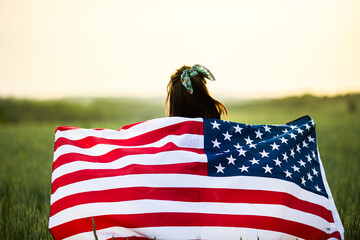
[188, 96]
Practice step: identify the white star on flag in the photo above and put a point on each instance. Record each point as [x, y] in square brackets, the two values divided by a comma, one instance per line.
[238, 129]
[216, 143]
[296, 169]
[242, 152]
[300, 131]
[274, 146]
[283, 140]
[303, 181]
[277, 162]
[248, 140]
[288, 174]
[252, 146]
[285, 157]
[220, 168]
[309, 176]
[237, 146]
[264, 154]
[227, 136]
[308, 158]
[243, 168]
[231, 160]
[302, 163]
[215, 125]
[292, 135]
[254, 161]
[258, 134]
[267, 128]
[267, 169]
[292, 152]
[315, 172]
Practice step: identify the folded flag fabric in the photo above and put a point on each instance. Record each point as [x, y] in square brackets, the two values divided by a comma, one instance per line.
[191, 178]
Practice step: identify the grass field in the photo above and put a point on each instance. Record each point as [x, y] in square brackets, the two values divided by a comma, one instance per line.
[26, 148]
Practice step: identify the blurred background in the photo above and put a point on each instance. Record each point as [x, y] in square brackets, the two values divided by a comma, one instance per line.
[105, 64]
[56, 49]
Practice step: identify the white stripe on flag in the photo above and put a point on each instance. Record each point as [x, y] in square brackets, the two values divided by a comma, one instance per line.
[162, 158]
[160, 206]
[185, 141]
[106, 233]
[331, 200]
[192, 181]
[181, 233]
[141, 128]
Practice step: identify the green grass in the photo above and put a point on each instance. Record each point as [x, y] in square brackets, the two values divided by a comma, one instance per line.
[26, 149]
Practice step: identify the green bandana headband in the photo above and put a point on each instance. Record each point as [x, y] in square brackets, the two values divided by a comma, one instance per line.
[193, 71]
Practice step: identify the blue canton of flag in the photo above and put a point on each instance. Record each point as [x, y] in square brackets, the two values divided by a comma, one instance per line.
[287, 151]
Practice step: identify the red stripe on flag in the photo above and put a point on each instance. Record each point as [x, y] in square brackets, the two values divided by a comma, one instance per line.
[130, 125]
[194, 168]
[143, 139]
[119, 153]
[192, 195]
[129, 238]
[65, 128]
[189, 220]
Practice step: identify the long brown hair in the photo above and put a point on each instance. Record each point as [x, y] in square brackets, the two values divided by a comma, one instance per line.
[179, 102]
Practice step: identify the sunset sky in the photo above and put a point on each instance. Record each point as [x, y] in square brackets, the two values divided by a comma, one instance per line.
[77, 48]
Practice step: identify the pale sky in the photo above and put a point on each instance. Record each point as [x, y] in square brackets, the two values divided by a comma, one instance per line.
[75, 48]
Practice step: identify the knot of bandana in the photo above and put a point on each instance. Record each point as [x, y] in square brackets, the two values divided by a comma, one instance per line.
[193, 71]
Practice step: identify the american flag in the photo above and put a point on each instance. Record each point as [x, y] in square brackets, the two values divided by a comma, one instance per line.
[191, 178]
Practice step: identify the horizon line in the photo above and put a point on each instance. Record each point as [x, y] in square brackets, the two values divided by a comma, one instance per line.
[225, 98]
